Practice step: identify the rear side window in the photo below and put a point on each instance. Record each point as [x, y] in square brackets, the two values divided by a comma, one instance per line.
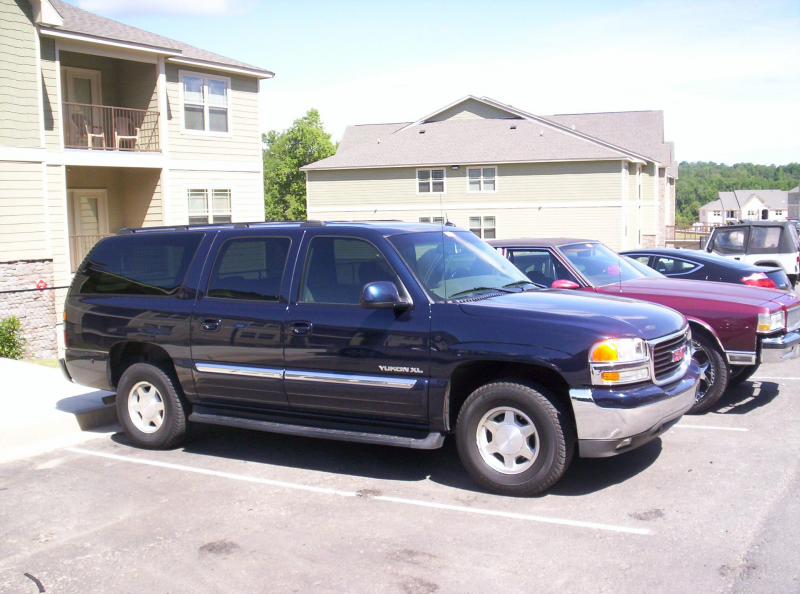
[336, 270]
[765, 240]
[674, 266]
[730, 241]
[250, 268]
[146, 264]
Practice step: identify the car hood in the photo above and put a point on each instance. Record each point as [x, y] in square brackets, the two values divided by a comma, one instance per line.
[602, 314]
[696, 289]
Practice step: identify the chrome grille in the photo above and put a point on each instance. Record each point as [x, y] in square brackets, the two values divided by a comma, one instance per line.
[793, 319]
[664, 368]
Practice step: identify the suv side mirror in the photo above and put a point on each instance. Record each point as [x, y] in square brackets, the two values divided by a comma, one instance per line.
[382, 295]
[565, 284]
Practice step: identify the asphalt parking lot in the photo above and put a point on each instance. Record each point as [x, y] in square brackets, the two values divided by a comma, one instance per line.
[711, 506]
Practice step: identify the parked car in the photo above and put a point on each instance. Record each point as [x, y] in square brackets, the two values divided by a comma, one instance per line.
[702, 265]
[763, 243]
[384, 333]
[734, 327]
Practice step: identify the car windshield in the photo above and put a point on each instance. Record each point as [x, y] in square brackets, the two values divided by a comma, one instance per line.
[456, 263]
[602, 266]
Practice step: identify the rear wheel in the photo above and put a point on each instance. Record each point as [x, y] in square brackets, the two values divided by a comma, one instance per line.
[741, 373]
[514, 439]
[150, 407]
[713, 373]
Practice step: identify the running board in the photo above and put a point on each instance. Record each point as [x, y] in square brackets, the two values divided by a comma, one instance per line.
[432, 441]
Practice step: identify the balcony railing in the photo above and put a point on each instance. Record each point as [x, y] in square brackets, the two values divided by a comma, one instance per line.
[105, 128]
[79, 247]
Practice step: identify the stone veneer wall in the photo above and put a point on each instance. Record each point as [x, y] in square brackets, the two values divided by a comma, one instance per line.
[35, 309]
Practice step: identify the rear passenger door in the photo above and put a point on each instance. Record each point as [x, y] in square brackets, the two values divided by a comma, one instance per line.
[237, 322]
[344, 359]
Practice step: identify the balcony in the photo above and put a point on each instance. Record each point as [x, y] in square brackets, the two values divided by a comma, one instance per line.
[107, 128]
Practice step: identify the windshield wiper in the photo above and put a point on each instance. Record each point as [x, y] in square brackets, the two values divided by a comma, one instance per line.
[473, 289]
[524, 282]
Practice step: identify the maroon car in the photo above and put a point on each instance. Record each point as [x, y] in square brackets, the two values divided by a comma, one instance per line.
[734, 328]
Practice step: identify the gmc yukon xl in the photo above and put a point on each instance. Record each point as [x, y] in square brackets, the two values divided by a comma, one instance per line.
[384, 333]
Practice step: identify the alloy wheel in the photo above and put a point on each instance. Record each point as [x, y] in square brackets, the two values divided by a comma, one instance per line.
[707, 370]
[508, 440]
[146, 407]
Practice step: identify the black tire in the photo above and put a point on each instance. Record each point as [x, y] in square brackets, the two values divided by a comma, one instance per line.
[555, 437]
[714, 379]
[741, 373]
[174, 426]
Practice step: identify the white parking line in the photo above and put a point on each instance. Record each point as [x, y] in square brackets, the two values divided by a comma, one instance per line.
[682, 426]
[758, 379]
[300, 487]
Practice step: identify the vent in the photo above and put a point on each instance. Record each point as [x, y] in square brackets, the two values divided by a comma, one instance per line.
[513, 126]
[422, 131]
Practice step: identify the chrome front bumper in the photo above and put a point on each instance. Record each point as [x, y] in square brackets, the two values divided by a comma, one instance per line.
[610, 422]
[781, 348]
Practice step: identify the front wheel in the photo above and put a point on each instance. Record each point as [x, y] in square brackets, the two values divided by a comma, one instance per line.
[713, 373]
[514, 439]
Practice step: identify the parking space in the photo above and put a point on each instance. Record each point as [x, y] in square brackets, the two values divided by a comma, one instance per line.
[711, 506]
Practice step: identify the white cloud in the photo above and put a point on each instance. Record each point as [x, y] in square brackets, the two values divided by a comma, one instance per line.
[139, 7]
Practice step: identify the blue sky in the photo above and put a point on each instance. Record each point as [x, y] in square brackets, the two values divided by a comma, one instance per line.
[726, 74]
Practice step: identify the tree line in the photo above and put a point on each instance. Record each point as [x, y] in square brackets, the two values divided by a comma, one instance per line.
[700, 182]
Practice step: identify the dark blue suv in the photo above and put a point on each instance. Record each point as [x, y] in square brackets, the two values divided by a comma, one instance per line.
[384, 332]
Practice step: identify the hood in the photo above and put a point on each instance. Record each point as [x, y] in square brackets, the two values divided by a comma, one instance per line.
[697, 289]
[599, 314]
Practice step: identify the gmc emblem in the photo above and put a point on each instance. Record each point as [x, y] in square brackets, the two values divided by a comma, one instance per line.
[678, 354]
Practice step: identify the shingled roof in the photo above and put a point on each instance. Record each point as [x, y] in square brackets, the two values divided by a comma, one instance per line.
[520, 137]
[76, 20]
[736, 200]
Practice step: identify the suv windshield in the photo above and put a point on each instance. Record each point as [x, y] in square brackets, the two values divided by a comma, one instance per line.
[600, 265]
[456, 263]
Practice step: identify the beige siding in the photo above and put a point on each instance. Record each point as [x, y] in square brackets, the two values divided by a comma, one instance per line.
[470, 110]
[571, 199]
[19, 95]
[22, 216]
[247, 193]
[244, 142]
[56, 187]
[50, 81]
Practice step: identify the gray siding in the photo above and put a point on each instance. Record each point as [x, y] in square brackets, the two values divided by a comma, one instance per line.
[19, 94]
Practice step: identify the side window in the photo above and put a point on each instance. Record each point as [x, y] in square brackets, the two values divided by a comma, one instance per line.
[641, 259]
[730, 241]
[147, 264]
[765, 239]
[673, 266]
[337, 268]
[540, 266]
[250, 268]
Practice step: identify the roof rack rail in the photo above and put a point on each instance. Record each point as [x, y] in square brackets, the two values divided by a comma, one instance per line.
[312, 224]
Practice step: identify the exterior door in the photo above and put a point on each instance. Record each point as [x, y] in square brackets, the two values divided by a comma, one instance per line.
[342, 358]
[88, 222]
[237, 321]
[83, 112]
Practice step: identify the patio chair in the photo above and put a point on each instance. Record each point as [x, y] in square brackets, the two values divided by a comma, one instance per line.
[125, 131]
[90, 130]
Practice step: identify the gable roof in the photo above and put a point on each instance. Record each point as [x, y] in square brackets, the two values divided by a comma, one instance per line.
[477, 130]
[82, 22]
[737, 199]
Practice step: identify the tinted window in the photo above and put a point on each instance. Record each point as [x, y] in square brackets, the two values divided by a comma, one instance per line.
[336, 270]
[146, 264]
[540, 266]
[454, 264]
[672, 266]
[250, 268]
[765, 240]
[600, 265]
[730, 241]
[641, 259]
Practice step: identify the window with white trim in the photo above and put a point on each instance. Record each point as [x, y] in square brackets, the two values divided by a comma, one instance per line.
[482, 179]
[778, 213]
[483, 227]
[730, 214]
[209, 206]
[206, 104]
[430, 180]
[717, 213]
[434, 220]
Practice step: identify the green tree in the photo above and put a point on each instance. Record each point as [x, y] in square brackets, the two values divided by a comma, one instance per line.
[699, 183]
[284, 154]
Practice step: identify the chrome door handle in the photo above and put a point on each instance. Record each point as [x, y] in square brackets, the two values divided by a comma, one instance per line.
[300, 328]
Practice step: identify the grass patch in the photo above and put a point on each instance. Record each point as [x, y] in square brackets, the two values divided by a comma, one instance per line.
[44, 362]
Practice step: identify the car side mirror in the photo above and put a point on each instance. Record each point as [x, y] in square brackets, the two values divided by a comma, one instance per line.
[382, 295]
[565, 284]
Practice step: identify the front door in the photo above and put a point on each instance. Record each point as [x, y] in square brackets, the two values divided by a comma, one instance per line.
[88, 222]
[82, 112]
[237, 321]
[342, 358]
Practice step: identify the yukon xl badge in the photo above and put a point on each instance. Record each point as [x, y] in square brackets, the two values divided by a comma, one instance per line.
[400, 369]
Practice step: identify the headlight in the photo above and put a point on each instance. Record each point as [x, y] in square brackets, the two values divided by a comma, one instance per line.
[619, 361]
[771, 322]
[618, 350]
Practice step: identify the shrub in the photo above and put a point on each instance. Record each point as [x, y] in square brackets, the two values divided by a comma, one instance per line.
[12, 342]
